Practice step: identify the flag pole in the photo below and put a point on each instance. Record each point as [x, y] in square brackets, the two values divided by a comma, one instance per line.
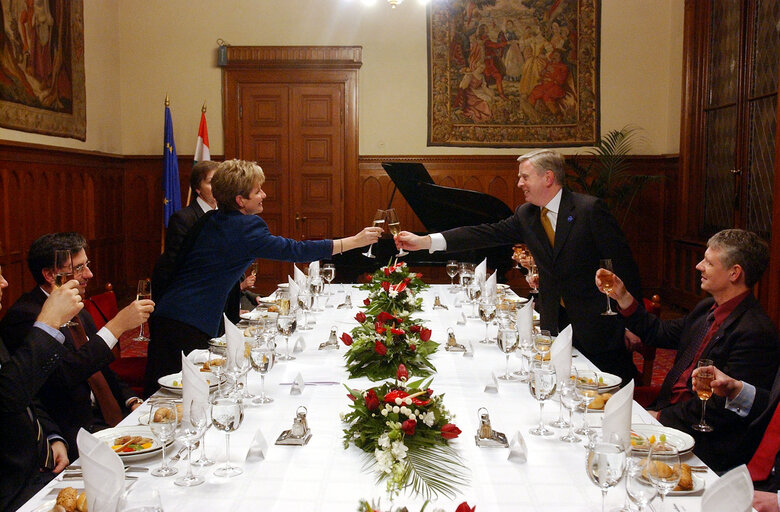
[162, 223]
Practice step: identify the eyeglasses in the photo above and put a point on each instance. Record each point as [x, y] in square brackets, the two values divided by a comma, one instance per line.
[79, 269]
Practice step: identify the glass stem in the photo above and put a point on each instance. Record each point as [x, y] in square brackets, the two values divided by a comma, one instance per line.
[227, 450]
[287, 344]
[571, 422]
[262, 386]
[541, 413]
[164, 464]
[603, 499]
[609, 304]
[506, 372]
[703, 409]
[189, 463]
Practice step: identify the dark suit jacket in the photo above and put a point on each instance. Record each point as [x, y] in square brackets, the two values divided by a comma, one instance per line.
[21, 376]
[745, 347]
[66, 393]
[585, 233]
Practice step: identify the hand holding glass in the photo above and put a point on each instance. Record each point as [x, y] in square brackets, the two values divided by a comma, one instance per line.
[144, 292]
[704, 392]
[607, 282]
[379, 222]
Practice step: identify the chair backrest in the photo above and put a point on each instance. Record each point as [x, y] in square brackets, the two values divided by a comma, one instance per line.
[652, 305]
[103, 306]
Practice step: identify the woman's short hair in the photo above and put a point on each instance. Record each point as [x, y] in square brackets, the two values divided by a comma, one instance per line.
[199, 173]
[235, 178]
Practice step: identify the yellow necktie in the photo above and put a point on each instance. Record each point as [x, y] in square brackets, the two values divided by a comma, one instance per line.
[547, 225]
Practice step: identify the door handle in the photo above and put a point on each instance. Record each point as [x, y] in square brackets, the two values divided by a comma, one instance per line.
[299, 219]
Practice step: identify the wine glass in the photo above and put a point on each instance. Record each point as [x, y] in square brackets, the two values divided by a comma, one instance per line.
[328, 273]
[141, 498]
[305, 304]
[162, 423]
[188, 434]
[227, 415]
[63, 272]
[487, 312]
[236, 371]
[452, 271]
[203, 459]
[588, 389]
[217, 362]
[570, 398]
[263, 357]
[315, 288]
[704, 391]
[606, 463]
[533, 276]
[664, 468]
[286, 325]
[474, 293]
[283, 301]
[508, 340]
[394, 226]
[607, 282]
[542, 344]
[526, 348]
[520, 252]
[639, 489]
[542, 385]
[379, 222]
[144, 293]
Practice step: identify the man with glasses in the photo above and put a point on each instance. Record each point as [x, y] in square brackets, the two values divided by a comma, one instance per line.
[75, 395]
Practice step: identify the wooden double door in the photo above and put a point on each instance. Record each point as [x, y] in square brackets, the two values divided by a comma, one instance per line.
[296, 125]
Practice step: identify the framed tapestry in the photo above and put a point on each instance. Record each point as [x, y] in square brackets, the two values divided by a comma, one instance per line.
[42, 67]
[513, 73]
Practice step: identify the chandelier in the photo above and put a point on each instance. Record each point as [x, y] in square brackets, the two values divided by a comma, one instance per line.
[393, 3]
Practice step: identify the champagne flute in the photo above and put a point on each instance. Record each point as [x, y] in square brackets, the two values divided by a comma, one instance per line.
[533, 276]
[704, 391]
[542, 386]
[570, 398]
[394, 226]
[508, 340]
[607, 282]
[188, 434]
[144, 292]
[328, 273]
[606, 463]
[162, 423]
[452, 271]
[286, 325]
[227, 415]
[379, 222]
[305, 304]
[263, 357]
[664, 468]
[588, 389]
[63, 272]
[487, 312]
[520, 252]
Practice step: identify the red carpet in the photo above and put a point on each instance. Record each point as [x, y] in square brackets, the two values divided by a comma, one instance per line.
[131, 348]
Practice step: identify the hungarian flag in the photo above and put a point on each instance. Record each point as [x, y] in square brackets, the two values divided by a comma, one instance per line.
[202, 146]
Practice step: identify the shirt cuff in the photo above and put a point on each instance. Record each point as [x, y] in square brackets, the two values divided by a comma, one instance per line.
[630, 309]
[743, 402]
[56, 437]
[108, 337]
[51, 331]
[438, 243]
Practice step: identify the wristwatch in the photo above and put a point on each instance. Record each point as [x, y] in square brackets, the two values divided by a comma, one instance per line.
[135, 400]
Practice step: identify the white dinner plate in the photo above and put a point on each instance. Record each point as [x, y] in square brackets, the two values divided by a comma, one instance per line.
[172, 382]
[698, 487]
[608, 382]
[108, 435]
[680, 440]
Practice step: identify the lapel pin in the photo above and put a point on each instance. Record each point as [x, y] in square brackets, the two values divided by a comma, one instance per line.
[570, 218]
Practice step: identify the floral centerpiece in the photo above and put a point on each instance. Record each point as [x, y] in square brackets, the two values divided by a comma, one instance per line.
[405, 430]
[387, 334]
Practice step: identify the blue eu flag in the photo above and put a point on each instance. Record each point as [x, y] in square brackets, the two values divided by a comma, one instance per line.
[170, 179]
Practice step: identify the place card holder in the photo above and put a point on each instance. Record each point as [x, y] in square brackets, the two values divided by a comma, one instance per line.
[333, 341]
[487, 437]
[452, 343]
[299, 434]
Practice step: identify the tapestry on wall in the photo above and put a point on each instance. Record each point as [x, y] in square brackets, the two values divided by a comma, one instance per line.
[509, 73]
[42, 67]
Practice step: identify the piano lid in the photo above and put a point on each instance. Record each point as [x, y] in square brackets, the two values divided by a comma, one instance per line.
[441, 208]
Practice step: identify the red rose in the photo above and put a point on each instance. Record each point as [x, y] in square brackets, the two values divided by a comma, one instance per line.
[388, 270]
[402, 374]
[415, 328]
[372, 401]
[384, 316]
[425, 334]
[366, 301]
[369, 278]
[397, 332]
[412, 347]
[450, 431]
[347, 339]
[351, 396]
[408, 427]
[386, 285]
[464, 507]
[379, 348]
[360, 317]
[419, 276]
[400, 287]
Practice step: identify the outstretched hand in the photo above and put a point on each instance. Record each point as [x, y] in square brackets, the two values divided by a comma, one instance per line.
[367, 236]
[618, 290]
[411, 242]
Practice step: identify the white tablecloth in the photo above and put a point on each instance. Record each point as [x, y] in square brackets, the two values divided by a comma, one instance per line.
[323, 476]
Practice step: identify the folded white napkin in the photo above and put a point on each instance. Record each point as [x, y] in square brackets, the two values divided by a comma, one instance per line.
[293, 289]
[104, 473]
[480, 273]
[194, 387]
[235, 343]
[617, 415]
[525, 320]
[560, 353]
[300, 277]
[489, 290]
[314, 269]
[733, 492]
[198, 356]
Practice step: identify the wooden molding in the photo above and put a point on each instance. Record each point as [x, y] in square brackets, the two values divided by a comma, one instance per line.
[321, 57]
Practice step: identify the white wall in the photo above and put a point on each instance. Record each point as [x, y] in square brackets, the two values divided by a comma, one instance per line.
[139, 50]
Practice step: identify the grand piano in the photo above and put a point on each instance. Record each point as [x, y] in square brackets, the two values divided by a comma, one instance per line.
[438, 208]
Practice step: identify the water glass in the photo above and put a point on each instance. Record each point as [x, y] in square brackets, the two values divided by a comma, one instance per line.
[541, 382]
[606, 463]
[162, 422]
[227, 415]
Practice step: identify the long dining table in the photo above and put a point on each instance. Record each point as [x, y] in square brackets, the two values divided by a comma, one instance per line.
[323, 475]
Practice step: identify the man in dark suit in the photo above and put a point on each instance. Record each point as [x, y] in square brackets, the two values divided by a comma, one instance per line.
[67, 396]
[32, 450]
[567, 234]
[729, 328]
